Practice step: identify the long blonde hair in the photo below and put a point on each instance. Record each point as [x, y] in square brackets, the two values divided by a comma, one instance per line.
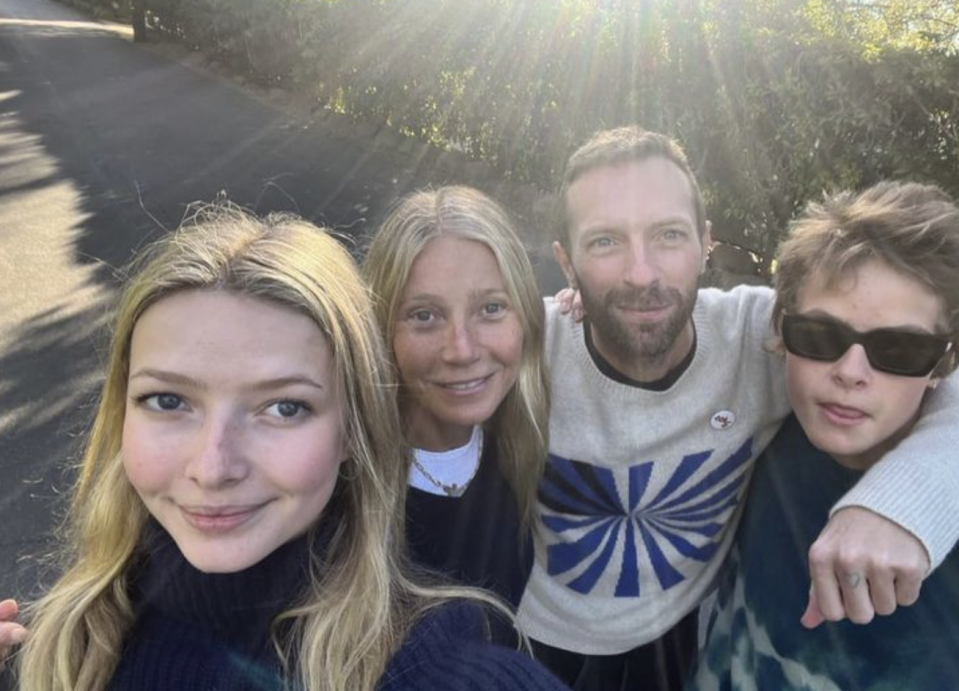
[358, 605]
[521, 422]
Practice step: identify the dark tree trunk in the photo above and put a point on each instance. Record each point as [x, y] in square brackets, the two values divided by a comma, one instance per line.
[139, 21]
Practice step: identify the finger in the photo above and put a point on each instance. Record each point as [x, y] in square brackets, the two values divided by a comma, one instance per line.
[855, 597]
[8, 610]
[11, 635]
[826, 591]
[907, 590]
[812, 617]
[882, 590]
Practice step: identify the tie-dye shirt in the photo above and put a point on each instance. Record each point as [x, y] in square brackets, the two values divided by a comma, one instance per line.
[642, 488]
[754, 638]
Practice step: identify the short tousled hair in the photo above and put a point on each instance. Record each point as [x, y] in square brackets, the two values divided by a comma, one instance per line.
[912, 228]
[620, 146]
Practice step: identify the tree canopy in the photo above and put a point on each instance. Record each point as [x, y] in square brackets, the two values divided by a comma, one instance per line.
[774, 100]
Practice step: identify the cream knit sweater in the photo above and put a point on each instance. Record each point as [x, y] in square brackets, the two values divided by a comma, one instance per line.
[643, 488]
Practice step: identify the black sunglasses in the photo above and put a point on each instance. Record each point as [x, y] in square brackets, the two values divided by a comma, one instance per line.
[906, 353]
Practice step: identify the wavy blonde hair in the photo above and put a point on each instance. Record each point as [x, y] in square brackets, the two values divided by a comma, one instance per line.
[521, 422]
[359, 604]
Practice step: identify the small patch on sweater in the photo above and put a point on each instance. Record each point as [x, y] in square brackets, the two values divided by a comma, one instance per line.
[724, 419]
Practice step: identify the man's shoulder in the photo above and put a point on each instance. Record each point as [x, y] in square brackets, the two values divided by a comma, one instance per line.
[740, 295]
[557, 321]
[733, 309]
[552, 308]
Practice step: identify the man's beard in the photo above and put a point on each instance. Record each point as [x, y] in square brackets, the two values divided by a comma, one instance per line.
[649, 343]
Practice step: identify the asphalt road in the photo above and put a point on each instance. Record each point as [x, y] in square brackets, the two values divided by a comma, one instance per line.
[103, 143]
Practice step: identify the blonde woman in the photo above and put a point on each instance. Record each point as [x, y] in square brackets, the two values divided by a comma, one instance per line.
[237, 522]
[459, 305]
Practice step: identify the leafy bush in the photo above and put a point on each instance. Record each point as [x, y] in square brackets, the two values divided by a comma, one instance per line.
[774, 100]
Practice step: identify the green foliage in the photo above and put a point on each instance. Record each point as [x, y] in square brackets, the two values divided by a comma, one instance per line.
[874, 25]
[774, 100]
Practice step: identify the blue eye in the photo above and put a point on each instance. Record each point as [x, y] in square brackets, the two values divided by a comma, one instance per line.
[492, 309]
[287, 409]
[162, 401]
[673, 234]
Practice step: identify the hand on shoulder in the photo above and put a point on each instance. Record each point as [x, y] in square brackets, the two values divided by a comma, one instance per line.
[570, 302]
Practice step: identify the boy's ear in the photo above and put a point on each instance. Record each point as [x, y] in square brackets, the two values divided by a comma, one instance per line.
[776, 346]
[943, 369]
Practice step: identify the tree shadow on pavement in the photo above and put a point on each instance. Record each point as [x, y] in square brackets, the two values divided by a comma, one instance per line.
[41, 425]
[133, 138]
[130, 139]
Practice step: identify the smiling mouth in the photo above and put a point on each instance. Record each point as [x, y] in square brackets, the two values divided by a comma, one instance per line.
[209, 519]
[466, 386]
[643, 307]
[643, 313]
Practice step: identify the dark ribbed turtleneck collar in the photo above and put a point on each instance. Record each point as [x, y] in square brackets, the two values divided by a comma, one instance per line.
[237, 608]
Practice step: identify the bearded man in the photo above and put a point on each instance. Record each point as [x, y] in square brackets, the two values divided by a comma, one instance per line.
[662, 399]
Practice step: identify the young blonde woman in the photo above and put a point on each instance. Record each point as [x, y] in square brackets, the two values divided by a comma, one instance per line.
[459, 305]
[237, 521]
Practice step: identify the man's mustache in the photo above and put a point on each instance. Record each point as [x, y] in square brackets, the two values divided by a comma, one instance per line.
[642, 299]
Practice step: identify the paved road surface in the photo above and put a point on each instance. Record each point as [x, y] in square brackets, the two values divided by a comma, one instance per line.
[103, 143]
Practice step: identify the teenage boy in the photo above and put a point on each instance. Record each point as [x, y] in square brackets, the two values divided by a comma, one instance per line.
[867, 310]
[661, 401]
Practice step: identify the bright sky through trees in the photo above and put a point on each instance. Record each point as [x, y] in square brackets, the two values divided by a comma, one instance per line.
[774, 100]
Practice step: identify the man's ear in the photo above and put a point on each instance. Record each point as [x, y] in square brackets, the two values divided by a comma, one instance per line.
[707, 243]
[562, 258]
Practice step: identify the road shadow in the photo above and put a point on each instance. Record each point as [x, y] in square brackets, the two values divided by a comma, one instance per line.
[48, 387]
[137, 138]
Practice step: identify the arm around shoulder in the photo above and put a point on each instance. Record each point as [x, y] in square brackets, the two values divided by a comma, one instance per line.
[896, 525]
[916, 485]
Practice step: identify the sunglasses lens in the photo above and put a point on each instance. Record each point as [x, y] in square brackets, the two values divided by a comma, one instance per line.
[888, 350]
[817, 340]
[907, 354]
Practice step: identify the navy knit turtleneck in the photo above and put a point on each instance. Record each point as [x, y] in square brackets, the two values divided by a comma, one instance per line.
[210, 632]
[197, 630]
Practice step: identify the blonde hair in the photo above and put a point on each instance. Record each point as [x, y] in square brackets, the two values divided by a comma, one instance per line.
[359, 604]
[521, 422]
[910, 227]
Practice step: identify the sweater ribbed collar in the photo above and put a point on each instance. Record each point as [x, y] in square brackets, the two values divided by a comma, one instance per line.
[237, 608]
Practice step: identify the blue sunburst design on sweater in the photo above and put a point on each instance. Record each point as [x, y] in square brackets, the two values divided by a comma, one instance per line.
[688, 513]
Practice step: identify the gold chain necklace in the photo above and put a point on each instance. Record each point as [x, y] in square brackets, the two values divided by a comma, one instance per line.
[452, 489]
